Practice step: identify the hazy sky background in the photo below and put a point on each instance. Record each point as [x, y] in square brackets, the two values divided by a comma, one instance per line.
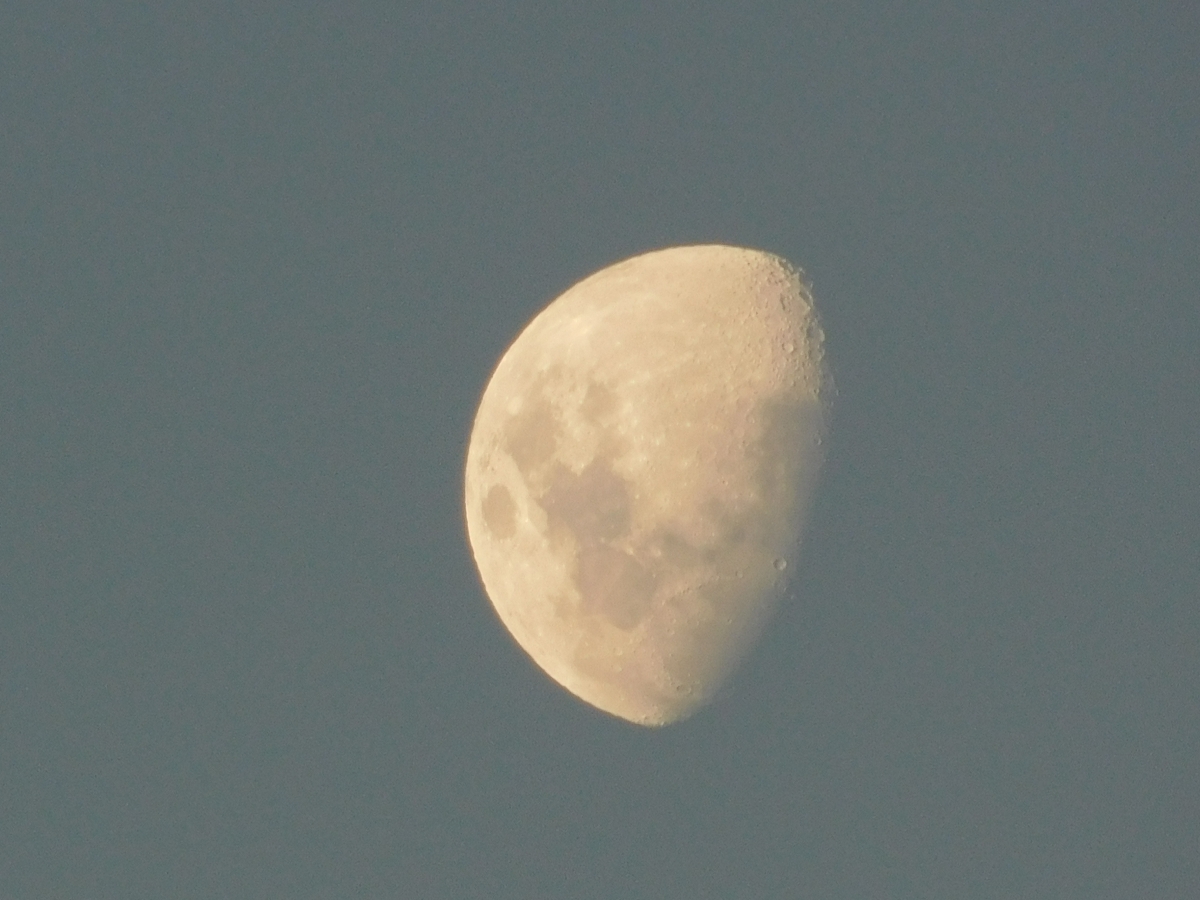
[256, 264]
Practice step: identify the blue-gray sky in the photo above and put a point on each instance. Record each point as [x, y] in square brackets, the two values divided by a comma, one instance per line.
[256, 264]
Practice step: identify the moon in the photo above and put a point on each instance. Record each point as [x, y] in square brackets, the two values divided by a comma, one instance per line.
[639, 470]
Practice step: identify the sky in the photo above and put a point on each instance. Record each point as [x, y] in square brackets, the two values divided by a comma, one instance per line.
[257, 262]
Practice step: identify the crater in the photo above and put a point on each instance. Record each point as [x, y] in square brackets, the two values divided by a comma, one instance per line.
[500, 512]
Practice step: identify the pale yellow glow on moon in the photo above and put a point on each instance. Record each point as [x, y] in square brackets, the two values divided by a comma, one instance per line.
[639, 470]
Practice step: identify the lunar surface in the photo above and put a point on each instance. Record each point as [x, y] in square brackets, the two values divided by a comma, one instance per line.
[639, 470]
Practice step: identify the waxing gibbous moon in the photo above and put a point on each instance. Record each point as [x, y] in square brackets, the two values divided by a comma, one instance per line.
[639, 471]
